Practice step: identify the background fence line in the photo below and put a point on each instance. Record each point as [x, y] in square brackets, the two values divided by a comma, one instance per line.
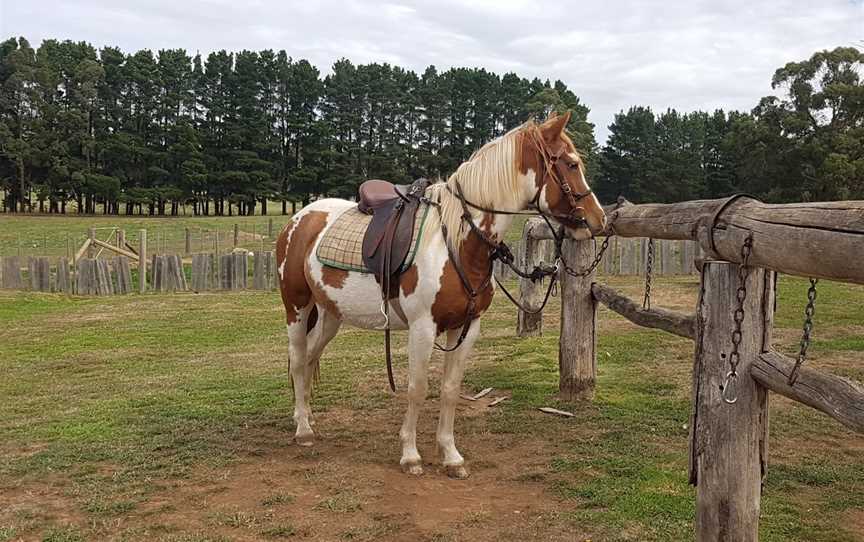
[165, 273]
[625, 256]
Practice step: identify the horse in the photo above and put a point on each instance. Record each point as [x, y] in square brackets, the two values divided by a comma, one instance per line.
[534, 166]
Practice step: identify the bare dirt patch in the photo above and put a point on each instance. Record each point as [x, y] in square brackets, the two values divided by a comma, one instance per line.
[348, 486]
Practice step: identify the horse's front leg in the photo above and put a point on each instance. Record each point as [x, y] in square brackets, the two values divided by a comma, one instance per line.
[451, 385]
[421, 339]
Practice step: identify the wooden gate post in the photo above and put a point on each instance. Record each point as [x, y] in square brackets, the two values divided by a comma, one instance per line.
[729, 442]
[530, 293]
[577, 352]
[142, 261]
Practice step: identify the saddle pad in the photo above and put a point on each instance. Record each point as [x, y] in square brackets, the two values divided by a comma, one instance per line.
[342, 244]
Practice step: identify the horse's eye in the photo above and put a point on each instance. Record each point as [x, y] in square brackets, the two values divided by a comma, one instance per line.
[573, 165]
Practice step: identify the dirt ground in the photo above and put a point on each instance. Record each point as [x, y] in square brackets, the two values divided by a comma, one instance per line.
[348, 486]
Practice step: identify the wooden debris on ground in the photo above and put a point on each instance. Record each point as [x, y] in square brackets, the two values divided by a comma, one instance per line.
[497, 401]
[550, 410]
[478, 395]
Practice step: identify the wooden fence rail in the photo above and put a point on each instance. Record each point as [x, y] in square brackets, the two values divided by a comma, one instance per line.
[804, 239]
[728, 439]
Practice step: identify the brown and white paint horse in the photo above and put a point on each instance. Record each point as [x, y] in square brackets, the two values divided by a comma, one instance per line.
[511, 173]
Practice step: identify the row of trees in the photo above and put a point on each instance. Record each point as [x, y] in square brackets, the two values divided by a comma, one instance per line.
[805, 145]
[151, 133]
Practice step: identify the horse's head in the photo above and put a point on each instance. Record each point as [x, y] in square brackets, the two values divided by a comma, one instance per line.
[562, 192]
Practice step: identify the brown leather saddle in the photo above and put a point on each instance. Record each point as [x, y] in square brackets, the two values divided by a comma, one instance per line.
[388, 239]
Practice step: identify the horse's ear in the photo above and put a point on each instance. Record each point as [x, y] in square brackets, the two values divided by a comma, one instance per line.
[554, 126]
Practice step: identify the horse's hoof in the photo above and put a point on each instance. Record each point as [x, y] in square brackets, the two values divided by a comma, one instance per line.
[413, 468]
[305, 440]
[458, 472]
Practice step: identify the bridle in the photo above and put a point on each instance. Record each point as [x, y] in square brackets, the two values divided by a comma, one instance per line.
[498, 250]
[551, 165]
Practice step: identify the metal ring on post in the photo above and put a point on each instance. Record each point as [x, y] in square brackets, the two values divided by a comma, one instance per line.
[730, 398]
[729, 201]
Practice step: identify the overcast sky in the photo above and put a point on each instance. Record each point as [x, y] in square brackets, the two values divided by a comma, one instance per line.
[687, 54]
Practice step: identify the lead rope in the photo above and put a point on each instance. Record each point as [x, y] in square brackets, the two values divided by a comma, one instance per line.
[729, 389]
[649, 264]
[809, 311]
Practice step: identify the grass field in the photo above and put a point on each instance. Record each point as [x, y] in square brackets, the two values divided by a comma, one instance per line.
[54, 235]
[46, 235]
[169, 418]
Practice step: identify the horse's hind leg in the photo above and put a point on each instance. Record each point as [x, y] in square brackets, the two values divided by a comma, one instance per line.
[451, 383]
[297, 355]
[323, 332]
[421, 337]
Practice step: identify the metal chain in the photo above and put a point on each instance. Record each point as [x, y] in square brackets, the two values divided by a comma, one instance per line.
[598, 257]
[808, 329]
[729, 390]
[649, 264]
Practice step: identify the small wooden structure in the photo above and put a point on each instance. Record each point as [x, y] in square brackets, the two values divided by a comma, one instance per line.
[728, 442]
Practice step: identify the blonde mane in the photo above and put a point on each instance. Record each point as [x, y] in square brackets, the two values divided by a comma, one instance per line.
[490, 178]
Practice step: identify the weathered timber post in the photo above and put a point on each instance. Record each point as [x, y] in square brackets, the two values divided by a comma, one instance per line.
[142, 261]
[728, 442]
[530, 292]
[258, 273]
[270, 228]
[121, 239]
[188, 242]
[12, 279]
[91, 234]
[124, 276]
[577, 353]
[236, 235]
[64, 285]
[39, 269]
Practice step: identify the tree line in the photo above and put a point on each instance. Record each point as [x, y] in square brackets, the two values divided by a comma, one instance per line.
[805, 145]
[227, 133]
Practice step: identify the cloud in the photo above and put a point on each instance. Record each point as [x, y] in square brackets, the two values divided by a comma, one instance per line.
[662, 53]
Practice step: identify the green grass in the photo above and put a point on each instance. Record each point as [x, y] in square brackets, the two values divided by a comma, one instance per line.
[46, 235]
[116, 399]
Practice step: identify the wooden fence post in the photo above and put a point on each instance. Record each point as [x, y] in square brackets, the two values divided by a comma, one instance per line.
[577, 354]
[530, 292]
[12, 273]
[63, 283]
[39, 269]
[91, 234]
[142, 261]
[728, 442]
[259, 277]
[236, 234]
[270, 228]
[124, 276]
[188, 242]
